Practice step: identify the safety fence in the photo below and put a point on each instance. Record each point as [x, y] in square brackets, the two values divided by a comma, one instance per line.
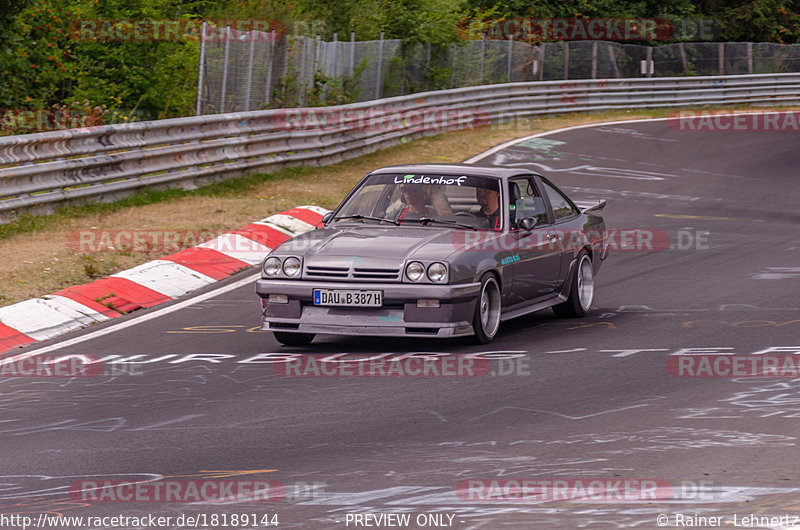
[256, 70]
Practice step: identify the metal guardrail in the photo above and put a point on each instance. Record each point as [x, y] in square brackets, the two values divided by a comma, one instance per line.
[40, 171]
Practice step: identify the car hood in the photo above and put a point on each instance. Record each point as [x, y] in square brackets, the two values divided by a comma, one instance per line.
[379, 245]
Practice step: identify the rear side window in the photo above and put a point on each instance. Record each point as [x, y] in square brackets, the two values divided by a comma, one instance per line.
[561, 206]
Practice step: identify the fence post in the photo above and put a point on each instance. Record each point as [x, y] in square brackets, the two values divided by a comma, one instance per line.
[250, 70]
[594, 59]
[200, 73]
[317, 48]
[334, 54]
[427, 65]
[379, 78]
[453, 66]
[483, 49]
[566, 59]
[749, 57]
[541, 60]
[223, 95]
[650, 66]
[683, 59]
[352, 52]
[272, 46]
[721, 58]
[613, 58]
[510, 53]
[301, 78]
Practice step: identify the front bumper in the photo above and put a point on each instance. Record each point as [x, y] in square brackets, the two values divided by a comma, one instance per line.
[399, 315]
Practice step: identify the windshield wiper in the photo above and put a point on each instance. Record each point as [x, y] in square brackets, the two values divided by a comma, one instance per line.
[368, 217]
[443, 221]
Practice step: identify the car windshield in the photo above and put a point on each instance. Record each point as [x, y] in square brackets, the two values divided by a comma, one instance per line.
[460, 201]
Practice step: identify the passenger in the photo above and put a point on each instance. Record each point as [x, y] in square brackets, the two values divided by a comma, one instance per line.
[489, 201]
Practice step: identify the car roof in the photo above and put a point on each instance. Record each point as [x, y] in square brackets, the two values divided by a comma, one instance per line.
[454, 169]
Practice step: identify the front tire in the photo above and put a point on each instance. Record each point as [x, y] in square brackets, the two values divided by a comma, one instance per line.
[581, 293]
[293, 339]
[486, 320]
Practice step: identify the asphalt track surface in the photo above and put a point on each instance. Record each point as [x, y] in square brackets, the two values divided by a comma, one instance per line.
[582, 400]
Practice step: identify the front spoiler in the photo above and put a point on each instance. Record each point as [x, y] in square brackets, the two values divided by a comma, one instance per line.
[452, 319]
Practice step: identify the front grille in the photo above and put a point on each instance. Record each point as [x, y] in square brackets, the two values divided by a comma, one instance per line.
[375, 274]
[327, 272]
[347, 273]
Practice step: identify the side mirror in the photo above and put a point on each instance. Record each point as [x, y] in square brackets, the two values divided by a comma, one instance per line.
[528, 223]
[327, 217]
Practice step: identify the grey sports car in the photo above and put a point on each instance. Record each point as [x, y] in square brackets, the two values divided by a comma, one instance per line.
[435, 250]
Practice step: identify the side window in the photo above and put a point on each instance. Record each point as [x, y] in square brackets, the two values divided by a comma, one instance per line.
[525, 202]
[561, 206]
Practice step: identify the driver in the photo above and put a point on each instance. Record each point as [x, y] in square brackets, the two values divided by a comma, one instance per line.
[489, 201]
[414, 196]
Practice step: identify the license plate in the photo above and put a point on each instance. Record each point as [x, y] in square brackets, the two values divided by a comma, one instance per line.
[344, 297]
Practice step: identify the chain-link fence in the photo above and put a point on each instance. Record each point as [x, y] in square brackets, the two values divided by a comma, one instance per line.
[255, 70]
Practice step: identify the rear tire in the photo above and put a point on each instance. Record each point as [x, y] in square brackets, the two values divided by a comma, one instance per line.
[581, 293]
[294, 339]
[488, 307]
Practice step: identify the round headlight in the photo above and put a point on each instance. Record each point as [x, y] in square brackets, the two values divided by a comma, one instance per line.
[291, 267]
[415, 271]
[272, 266]
[437, 272]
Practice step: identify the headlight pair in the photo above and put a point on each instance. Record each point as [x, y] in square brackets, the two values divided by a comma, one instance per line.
[291, 267]
[437, 272]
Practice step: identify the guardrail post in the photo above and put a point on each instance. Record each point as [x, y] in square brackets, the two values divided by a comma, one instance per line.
[378, 79]
[250, 70]
[201, 68]
[223, 93]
